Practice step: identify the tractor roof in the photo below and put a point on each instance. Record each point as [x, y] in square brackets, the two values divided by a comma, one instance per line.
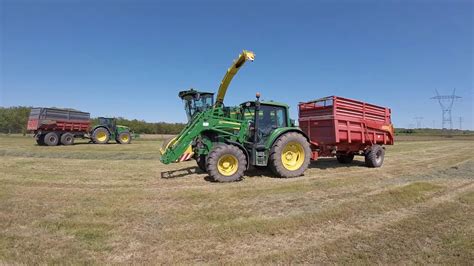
[192, 92]
[252, 103]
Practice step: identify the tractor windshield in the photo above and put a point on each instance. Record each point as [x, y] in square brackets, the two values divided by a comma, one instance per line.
[108, 122]
[270, 117]
[197, 103]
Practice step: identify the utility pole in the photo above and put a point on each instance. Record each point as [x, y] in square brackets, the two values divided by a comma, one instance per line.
[446, 103]
[460, 123]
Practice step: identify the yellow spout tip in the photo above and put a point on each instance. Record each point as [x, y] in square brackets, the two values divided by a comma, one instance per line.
[249, 55]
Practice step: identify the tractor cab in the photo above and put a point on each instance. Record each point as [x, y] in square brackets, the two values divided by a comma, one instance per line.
[196, 101]
[270, 116]
[109, 123]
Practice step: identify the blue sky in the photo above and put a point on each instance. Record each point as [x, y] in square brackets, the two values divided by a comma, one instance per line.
[130, 58]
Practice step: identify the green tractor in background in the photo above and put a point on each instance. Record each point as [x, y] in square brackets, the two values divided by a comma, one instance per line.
[226, 141]
[107, 129]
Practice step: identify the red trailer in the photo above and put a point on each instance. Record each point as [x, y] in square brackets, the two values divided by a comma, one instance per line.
[53, 126]
[343, 128]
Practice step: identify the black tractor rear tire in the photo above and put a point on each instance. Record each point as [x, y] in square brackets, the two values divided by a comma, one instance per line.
[226, 163]
[201, 161]
[124, 138]
[67, 139]
[345, 158]
[40, 139]
[100, 135]
[374, 156]
[296, 147]
[51, 139]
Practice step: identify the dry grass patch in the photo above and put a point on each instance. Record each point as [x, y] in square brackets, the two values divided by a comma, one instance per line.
[108, 203]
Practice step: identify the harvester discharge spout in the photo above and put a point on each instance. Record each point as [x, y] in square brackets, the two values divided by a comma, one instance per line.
[229, 75]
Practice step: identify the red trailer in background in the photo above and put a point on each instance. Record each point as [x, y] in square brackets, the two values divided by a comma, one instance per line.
[343, 128]
[53, 126]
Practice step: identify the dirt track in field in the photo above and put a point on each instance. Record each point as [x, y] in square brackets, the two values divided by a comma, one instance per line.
[92, 203]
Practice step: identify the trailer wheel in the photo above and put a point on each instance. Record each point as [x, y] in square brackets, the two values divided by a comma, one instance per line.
[345, 158]
[226, 163]
[40, 139]
[374, 156]
[100, 135]
[51, 139]
[67, 139]
[201, 162]
[290, 155]
[124, 138]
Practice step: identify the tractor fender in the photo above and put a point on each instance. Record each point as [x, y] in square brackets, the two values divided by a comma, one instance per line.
[279, 132]
[240, 146]
[121, 129]
[99, 126]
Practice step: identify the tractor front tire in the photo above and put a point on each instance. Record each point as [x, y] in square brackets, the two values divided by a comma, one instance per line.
[201, 162]
[100, 135]
[51, 139]
[345, 158]
[67, 139]
[226, 163]
[290, 155]
[124, 138]
[374, 156]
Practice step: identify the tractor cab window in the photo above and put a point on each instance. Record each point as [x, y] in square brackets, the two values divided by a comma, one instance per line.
[108, 122]
[270, 117]
[197, 103]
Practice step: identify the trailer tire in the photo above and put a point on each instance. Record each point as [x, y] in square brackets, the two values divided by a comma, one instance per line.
[345, 158]
[374, 156]
[40, 139]
[124, 138]
[201, 162]
[226, 163]
[100, 135]
[67, 139]
[290, 155]
[51, 139]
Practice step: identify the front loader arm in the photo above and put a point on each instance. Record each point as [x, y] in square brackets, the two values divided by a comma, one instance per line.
[229, 75]
[179, 145]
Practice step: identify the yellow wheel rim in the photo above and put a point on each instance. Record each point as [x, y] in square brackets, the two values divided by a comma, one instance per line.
[124, 138]
[292, 156]
[101, 136]
[227, 165]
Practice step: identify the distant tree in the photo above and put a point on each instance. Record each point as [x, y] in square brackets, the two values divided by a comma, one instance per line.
[14, 119]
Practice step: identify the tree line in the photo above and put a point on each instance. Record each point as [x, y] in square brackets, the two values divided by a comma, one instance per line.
[14, 120]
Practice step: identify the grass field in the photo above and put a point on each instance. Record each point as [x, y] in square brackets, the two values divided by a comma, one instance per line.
[109, 204]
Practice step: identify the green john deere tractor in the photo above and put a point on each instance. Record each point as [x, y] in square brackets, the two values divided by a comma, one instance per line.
[226, 141]
[107, 129]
